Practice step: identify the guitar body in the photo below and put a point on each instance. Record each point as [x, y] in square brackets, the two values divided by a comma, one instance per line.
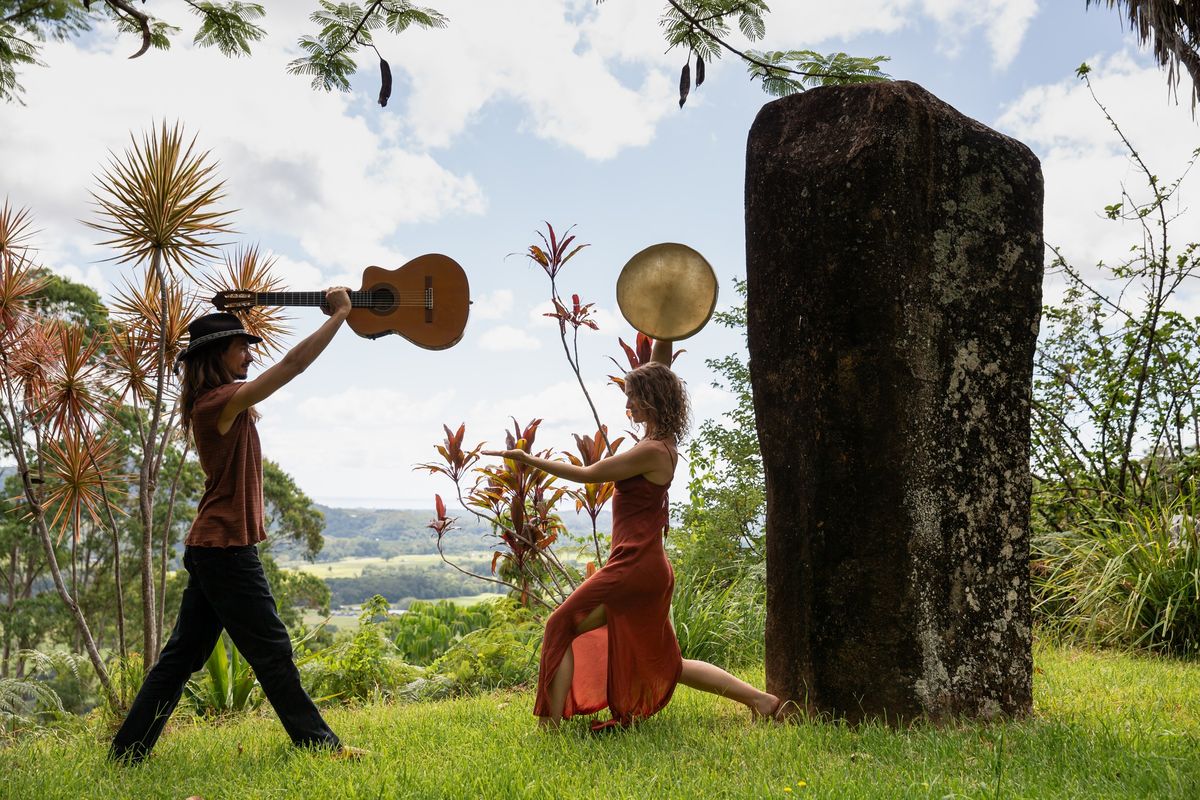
[434, 326]
[426, 301]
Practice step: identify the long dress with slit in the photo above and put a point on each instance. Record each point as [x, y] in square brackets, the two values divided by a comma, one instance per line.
[632, 663]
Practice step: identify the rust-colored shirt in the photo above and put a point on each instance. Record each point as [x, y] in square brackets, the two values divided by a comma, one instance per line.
[231, 511]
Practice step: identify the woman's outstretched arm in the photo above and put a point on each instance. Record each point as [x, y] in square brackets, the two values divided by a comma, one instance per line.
[293, 362]
[637, 461]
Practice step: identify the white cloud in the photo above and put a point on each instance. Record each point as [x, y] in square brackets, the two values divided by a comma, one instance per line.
[493, 305]
[506, 338]
[532, 52]
[809, 23]
[298, 162]
[357, 441]
[1084, 163]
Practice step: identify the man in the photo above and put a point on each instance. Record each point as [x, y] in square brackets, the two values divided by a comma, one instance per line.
[226, 586]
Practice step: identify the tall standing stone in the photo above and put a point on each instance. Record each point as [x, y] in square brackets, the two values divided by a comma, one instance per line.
[894, 267]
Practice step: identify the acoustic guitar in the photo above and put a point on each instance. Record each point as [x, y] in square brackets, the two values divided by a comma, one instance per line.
[426, 301]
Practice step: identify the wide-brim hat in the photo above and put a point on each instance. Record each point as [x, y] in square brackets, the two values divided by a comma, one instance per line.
[203, 331]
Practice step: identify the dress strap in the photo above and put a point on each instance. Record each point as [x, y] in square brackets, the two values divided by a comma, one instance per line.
[672, 453]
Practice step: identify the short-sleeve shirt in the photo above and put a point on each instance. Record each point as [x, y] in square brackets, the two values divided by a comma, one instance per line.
[231, 511]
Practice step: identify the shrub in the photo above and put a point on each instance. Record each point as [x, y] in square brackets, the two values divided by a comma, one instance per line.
[26, 703]
[501, 655]
[1130, 582]
[227, 685]
[427, 630]
[367, 666]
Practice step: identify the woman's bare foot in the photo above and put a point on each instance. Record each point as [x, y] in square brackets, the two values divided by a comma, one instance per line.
[548, 724]
[765, 706]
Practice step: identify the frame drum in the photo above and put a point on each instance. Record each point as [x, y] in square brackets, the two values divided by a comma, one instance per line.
[667, 291]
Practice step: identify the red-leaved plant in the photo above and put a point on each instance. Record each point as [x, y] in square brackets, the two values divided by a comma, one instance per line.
[519, 501]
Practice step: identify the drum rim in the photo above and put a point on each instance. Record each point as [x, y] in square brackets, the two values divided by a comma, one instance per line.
[697, 256]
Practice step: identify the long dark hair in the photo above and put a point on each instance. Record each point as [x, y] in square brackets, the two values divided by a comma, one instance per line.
[203, 371]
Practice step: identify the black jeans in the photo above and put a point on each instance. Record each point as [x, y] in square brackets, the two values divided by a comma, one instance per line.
[226, 589]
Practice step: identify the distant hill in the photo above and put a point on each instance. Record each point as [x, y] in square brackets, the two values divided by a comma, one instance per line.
[366, 532]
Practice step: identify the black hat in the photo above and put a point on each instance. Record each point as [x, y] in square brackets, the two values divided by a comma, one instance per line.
[212, 327]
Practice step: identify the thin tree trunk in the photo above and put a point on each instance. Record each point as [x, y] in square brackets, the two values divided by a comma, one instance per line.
[81, 625]
[148, 477]
[11, 581]
[122, 648]
[167, 527]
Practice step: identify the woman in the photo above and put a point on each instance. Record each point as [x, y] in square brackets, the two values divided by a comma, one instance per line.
[227, 589]
[611, 642]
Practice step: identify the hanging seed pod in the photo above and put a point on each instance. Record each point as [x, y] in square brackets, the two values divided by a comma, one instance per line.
[685, 83]
[385, 78]
[699, 71]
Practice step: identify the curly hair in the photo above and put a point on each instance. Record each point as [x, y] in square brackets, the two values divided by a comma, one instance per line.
[661, 393]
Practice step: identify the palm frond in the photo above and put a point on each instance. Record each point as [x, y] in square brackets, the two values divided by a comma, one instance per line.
[1172, 29]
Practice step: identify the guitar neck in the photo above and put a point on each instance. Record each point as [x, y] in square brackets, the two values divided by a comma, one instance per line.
[371, 299]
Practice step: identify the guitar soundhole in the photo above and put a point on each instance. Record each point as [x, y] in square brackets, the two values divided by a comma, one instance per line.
[383, 300]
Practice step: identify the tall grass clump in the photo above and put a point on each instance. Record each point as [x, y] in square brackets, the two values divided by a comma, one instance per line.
[500, 655]
[1128, 582]
[720, 615]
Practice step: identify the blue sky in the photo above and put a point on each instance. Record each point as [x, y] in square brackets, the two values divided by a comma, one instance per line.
[538, 110]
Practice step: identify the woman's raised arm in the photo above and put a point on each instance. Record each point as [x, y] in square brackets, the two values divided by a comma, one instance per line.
[293, 362]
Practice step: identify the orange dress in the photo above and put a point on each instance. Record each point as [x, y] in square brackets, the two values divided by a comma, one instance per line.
[632, 663]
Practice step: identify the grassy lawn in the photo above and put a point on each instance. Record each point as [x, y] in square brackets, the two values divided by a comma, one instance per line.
[1106, 725]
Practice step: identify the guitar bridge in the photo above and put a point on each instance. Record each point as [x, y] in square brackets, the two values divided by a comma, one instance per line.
[429, 298]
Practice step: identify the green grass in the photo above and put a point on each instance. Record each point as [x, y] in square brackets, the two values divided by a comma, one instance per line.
[1106, 725]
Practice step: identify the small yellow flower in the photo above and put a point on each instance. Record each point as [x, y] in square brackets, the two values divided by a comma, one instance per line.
[787, 788]
[802, 784]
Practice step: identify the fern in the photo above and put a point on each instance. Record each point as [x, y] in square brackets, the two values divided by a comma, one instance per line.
[26, 702]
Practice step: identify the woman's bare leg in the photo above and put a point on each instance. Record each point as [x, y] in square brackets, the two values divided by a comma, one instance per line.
[560, 684]
[710, 678]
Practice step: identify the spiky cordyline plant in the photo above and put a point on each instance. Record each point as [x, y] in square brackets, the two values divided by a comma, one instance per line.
[72, 397]
[19, 279]
[30, 357]
[160, 200]
[246, 269]
[15, 232]
[79, 467]
[153, 317]
[158, 204]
